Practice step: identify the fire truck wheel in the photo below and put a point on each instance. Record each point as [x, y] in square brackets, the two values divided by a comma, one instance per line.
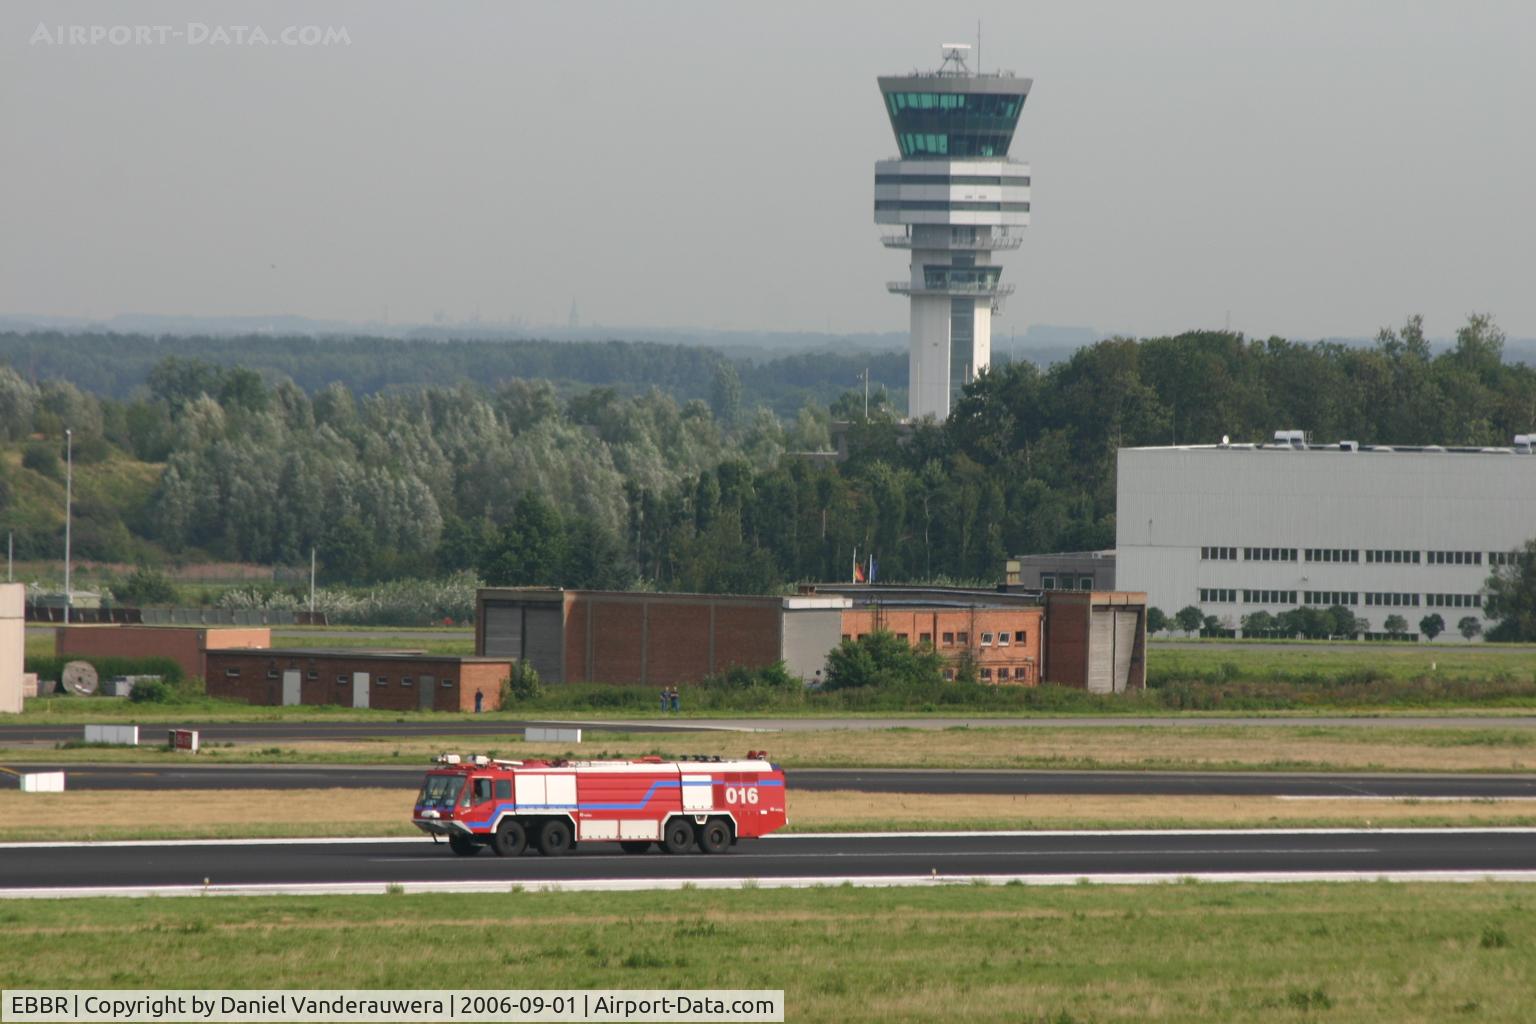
[715, 836]
[555, 837]
[463, 845]
[634, 846]
[678, 836]
[510, 839]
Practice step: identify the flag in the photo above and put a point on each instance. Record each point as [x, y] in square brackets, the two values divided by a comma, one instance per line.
[874, 567]
[858, 572]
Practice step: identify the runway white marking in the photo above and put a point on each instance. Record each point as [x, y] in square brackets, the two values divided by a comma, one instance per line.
[863, 882]
[776, 857]
[1420, 799]
[796, 837]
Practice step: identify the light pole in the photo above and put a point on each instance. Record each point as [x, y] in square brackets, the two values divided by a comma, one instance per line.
[69, 503]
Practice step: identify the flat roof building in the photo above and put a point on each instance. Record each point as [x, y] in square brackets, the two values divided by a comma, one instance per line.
[638, 637]
[397, 680]
[1239, 528]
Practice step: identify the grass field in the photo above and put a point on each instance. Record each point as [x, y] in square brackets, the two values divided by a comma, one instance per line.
[1366, 953]
[1299, 661]
[1172, 748]
[205, 814]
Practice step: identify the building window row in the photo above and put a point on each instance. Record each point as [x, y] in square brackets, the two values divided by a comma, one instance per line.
[1218, 554]
[1455, 558]
[1504, 557]
[1454, 600]
[1330, 598]
[1333, 554]
[1269, 597]
[1394, 557]
[1392, 600]
[1064, 581]
[1269, 554]
[1218, 595]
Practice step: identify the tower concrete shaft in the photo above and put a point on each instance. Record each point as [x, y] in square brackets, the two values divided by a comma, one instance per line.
[957, 200]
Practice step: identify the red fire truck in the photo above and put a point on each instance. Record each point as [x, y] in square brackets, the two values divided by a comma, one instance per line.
[701, 803]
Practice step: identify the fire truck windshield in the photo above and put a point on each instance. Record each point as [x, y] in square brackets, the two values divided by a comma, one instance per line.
[440, 791]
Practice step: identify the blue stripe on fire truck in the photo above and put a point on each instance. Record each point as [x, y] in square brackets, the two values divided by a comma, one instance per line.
[637, 806]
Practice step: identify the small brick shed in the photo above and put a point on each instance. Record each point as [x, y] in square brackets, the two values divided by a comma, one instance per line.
[397, 680]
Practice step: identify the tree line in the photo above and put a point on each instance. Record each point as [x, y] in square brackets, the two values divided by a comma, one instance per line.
[526, 482]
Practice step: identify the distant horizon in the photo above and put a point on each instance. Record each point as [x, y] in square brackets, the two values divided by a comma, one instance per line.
[1036, 337]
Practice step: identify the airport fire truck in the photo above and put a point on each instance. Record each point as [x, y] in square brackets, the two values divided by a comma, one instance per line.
[699, 803]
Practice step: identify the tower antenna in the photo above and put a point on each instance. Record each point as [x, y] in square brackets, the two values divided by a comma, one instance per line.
[978, 46]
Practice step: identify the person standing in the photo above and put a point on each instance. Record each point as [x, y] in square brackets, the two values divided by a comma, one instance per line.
[677, 701]
[666, 700]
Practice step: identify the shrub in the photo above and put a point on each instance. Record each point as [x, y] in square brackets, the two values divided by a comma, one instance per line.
[145, 587]
[42, 458]
[522, 685]
[879, 659]
[52, 667]
[151, 691]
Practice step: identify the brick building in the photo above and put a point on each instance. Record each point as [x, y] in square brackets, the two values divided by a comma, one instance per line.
[1005, 642]
[188, 646]
[644, 638]
[397, 680]
[1096, 640]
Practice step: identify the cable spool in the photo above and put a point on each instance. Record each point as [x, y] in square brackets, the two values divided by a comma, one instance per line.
[79, 678]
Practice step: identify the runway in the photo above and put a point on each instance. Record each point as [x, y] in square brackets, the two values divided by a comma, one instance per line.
[869, 780]
[882, 859]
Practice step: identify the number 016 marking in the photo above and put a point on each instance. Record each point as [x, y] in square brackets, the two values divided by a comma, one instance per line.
[741, 794]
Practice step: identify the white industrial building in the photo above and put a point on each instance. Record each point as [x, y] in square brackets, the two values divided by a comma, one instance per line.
[1240, 528]
[956, 197]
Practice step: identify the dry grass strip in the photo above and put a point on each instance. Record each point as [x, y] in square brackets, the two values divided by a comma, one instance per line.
[167, 813]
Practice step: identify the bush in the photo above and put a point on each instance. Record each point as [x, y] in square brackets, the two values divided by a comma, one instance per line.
[52, 667]
[145, 587]
[407, 602]
[879, 659]
[151, 691]
[522, 685]
[42, 458]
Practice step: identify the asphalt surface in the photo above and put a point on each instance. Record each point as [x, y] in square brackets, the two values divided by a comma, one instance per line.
[297, 732]
[1008, 783]
[865, 857]
[249, 732]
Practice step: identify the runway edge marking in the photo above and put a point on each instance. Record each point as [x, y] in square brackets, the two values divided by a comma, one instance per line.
[802, 836]
[662, 884]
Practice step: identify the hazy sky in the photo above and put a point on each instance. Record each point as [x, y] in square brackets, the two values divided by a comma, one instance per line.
[1315, 168]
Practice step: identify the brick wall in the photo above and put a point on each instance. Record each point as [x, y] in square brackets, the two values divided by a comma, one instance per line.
[952, 630]
[677, 642]
[1066, 654]
[617, 638]
[257, 678]
[575, 638]
[746, 635]
[182, 644]
[667, 639]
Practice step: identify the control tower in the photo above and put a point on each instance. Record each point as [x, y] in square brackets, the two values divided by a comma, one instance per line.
[957, 199]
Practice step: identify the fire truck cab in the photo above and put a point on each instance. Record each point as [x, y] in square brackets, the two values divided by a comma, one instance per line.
[702, 803]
